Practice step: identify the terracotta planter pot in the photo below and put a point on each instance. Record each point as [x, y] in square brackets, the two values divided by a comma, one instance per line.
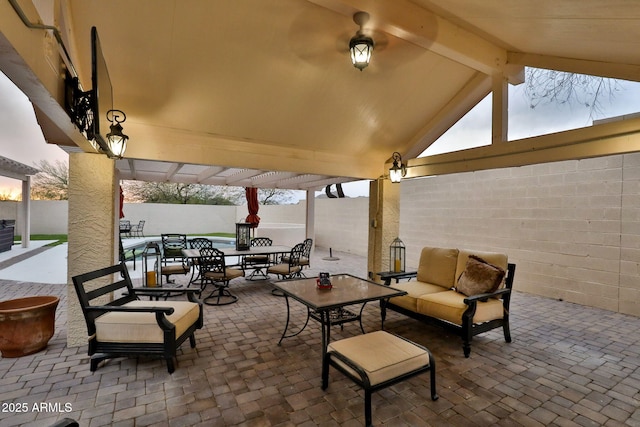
[26, 324]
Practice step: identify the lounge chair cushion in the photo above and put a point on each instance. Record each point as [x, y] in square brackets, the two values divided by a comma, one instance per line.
[143, 327]
[414, 290]
[450, 306]
[438, 266]
[383, 356]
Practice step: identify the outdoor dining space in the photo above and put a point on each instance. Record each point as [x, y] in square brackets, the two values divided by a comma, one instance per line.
[567, 365]
[214, 263]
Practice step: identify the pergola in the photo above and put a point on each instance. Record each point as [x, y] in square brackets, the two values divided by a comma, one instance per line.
[20, 171]
[262, 93]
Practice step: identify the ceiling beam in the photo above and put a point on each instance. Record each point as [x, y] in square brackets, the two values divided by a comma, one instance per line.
[158, 143]
[242, 175]
[408, 21]
[209, 172]
[173, 169]
[595, 68]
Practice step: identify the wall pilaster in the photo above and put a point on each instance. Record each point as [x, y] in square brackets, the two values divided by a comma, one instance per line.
[384, 223]
[92, 209]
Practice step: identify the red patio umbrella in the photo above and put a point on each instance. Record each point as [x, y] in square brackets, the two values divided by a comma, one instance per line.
[252, 203]
[121, 203]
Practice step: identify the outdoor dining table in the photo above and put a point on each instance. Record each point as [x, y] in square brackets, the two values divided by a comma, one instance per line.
[346, 289]
[273, 251]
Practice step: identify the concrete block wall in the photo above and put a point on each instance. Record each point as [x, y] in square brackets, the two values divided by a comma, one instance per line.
[571, 227]
[342, 224]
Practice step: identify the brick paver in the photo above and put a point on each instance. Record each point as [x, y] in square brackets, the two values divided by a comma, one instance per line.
[568, 365]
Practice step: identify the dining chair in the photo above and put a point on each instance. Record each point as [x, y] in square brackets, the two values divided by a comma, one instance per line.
[214, 270]
[197, 243]
[137, 230]
[257, 262]
[173, 260]
[306, 253]
[291, 266]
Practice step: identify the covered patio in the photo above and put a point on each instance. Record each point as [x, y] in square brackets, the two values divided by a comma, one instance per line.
[568, 365]
[262, 94]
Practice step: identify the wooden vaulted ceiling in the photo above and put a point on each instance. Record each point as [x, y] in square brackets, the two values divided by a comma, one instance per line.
[262, 92]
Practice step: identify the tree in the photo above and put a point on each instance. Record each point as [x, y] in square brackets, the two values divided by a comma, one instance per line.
[275, 196]
[8, 195]
[52, 182]
[177, 193]
[180, 193]
[544, 86]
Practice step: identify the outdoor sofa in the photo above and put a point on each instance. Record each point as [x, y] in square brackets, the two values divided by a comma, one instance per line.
[465, 291]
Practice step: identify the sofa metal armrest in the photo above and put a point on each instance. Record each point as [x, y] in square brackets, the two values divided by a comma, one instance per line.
[485, 297]
[387, 276]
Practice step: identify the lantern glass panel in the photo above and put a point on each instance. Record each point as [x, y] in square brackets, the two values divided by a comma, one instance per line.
[151, 263]
[397, 252]
[243, 236]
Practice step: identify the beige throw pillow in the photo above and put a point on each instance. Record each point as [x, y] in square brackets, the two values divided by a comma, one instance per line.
[479, 277]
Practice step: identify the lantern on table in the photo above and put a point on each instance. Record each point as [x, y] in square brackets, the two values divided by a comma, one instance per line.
[243, 236]
[151, 263]
[397, 252]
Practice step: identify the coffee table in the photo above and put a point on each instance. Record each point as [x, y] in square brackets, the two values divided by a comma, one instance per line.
[321, 304]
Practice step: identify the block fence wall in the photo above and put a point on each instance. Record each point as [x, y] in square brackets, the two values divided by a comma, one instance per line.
[572, 228]
[340, 224]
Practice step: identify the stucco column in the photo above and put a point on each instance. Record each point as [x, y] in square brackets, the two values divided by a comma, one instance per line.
[25, 212]
[384, 223]
[310, 217]
[92, 209]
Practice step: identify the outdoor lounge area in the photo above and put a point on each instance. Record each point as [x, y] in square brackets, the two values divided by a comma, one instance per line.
[568, 365]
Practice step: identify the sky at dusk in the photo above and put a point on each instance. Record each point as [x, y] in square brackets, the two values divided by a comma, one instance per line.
[21, 138]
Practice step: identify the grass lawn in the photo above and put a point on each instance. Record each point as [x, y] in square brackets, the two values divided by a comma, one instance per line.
[62, 238]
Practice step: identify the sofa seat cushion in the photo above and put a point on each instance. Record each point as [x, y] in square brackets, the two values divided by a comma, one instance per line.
[438, 266]
[381, 355]
[143, 327]
[414, 290]
[450, 306]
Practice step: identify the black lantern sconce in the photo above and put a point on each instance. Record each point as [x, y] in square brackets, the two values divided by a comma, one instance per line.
[116, 140]
[360, 45]
[151, 264]
[397, 253]
[398, 170]
[243, 236]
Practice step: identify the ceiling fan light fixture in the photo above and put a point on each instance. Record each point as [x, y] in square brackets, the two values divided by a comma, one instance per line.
[361, 45]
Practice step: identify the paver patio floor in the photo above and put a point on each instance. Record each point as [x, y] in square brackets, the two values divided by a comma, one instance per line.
[568, 365]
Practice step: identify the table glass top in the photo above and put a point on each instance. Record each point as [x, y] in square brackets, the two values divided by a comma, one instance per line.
[346, 289]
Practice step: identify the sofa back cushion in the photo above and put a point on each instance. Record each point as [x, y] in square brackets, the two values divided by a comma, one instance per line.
[438, 266]
[497, 259]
